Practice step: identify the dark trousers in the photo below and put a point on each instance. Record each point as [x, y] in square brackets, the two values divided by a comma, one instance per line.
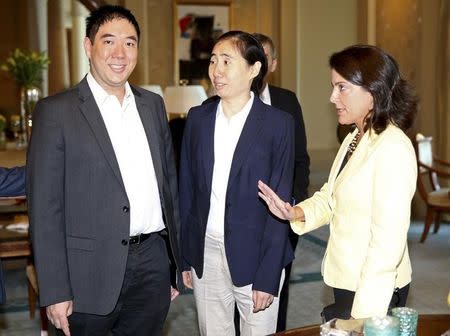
[144, 300]
[343, 302]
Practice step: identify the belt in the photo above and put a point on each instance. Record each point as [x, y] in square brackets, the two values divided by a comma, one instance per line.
[140, 238]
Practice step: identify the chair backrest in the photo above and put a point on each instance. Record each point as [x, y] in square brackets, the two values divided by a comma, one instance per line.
[424, 149]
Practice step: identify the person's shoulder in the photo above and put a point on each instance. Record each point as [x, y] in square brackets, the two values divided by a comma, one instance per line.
[394, 133]
[62, 96]
[274, 114]
[146, 94]
[208, 106]
[212, 99]
[281, 91]
[393, 139]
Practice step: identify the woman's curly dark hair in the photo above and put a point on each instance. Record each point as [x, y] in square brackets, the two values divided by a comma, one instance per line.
[376, 71]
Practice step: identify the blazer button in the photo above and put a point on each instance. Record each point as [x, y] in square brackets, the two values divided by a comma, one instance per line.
[124, 242]
[125, 209]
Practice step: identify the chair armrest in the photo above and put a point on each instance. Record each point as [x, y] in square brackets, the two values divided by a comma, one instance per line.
[438, 172]
[441, 162]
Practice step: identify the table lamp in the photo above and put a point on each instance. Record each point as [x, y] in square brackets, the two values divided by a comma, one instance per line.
[179, 99]
[153, 88]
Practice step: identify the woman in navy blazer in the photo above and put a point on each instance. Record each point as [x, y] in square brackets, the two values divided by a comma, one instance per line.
[234, 251]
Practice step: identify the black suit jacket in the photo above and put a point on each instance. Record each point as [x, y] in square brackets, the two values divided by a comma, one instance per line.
[78, 207]
[287, 101]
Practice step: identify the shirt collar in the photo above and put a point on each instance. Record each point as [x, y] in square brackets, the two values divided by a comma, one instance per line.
[242, 114]
[100, 95]
[265, 95]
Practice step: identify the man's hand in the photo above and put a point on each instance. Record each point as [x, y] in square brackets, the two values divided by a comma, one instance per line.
[261, 300]
[187, 279]
[173, 293]
[57, 314]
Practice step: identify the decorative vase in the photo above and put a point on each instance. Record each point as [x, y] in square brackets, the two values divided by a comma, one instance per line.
[2, 140]
[29, 96]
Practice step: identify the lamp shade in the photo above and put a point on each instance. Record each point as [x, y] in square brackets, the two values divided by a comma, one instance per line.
[179, 99]
[153, 88]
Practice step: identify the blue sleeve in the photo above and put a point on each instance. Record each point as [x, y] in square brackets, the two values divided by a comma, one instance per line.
[12, 181]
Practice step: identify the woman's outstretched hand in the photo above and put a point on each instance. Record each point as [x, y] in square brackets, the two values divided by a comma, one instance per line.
[277, 206]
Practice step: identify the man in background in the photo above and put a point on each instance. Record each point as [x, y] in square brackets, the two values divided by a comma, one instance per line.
[287, 101]
[102, 193]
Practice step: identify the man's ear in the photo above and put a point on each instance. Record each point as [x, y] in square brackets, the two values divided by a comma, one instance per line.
[273, 67]
[87, 46]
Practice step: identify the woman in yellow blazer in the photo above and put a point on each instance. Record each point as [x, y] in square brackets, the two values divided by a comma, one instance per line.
[367, 198]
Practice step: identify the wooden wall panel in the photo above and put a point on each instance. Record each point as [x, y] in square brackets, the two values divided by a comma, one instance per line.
[14, 21]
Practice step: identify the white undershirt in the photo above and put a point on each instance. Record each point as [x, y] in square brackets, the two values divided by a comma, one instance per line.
[265, 95]
[226, 136]
[132, 151]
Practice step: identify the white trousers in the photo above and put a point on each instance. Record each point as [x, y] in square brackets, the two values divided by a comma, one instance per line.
[215, 298]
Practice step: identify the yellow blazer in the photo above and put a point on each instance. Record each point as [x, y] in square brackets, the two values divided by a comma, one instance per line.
[368, 208]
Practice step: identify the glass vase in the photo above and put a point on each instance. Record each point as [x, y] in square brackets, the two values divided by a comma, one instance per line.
[29, 96]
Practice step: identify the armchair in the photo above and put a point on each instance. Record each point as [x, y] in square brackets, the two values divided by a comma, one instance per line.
[430, 170]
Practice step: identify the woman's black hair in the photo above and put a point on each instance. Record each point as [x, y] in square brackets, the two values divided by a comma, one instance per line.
[378, 73]
[252, 51]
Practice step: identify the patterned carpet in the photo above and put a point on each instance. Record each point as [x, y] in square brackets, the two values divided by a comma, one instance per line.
[431, 283]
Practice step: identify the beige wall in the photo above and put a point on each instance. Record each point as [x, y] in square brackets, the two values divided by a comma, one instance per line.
[325, 26]
[156, 60]
[305, 31]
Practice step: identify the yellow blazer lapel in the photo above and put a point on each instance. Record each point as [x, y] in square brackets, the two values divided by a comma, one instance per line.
[334, 177]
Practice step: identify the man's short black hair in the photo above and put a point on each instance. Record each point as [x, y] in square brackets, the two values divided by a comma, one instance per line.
[107, 13]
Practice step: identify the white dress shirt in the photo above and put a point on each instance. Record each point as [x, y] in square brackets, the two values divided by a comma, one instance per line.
[265, 95]
[132, 151]
[226, 136]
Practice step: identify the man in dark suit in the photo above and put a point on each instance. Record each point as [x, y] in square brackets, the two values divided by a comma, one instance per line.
[12, 183]
[287, 101]
[102, 193]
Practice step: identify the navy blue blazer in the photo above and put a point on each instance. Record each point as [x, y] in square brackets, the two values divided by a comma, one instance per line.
[256, 243]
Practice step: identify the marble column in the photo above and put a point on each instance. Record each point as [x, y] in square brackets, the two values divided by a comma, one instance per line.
[79, 60]
[58, 72]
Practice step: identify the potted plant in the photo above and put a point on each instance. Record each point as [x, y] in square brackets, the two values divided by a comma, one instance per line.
[26, 69]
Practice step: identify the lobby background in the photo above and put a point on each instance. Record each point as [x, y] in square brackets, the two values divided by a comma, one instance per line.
[415, 32]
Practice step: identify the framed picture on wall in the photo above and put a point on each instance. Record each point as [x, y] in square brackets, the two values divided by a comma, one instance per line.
[197, 24]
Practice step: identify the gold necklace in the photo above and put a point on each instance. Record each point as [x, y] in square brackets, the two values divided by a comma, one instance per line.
[351, 148]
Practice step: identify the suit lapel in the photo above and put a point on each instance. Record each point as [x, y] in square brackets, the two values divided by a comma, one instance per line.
[209, 123]
[94, 118]
[149, 121]
[356, 159]
[249, 135]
